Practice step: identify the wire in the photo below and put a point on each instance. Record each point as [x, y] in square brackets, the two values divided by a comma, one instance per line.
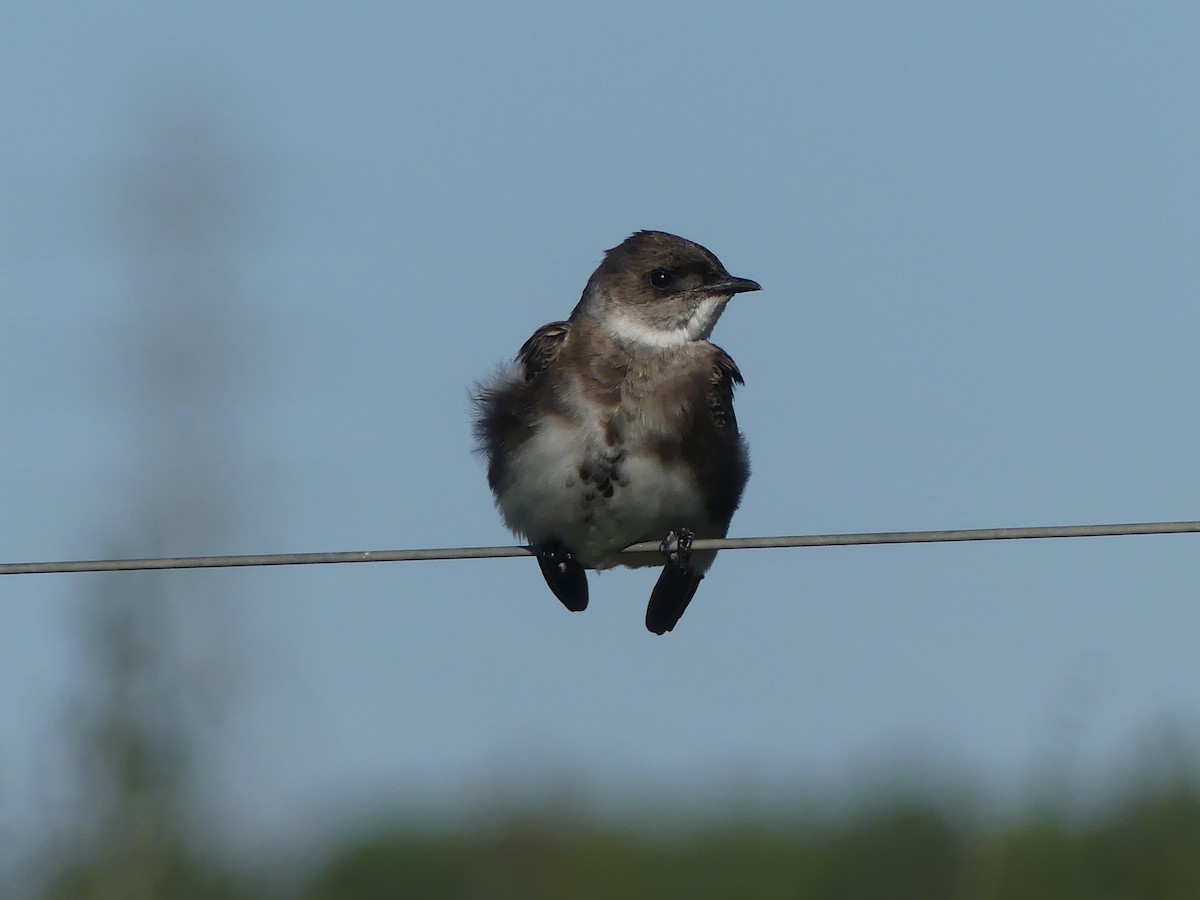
[757, 543]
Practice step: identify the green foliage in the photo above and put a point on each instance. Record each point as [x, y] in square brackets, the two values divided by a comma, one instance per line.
[1147, 850]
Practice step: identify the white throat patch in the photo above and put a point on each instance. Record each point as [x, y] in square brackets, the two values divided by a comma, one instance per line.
[698, 326]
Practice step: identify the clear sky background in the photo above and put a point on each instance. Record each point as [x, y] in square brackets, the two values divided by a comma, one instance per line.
[977, 228]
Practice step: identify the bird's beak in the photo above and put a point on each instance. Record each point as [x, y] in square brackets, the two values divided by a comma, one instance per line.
[732, 285]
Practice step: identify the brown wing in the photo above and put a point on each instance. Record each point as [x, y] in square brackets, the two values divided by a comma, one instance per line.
[725, 375]
[716, 449]
[542, 349]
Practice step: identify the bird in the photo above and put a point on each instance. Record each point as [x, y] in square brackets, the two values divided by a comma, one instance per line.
[616, 426]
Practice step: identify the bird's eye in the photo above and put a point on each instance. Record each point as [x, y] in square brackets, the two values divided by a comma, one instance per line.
[661, 279]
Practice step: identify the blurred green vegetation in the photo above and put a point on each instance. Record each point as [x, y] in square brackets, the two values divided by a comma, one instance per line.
[1146, 846]
[1149, 848]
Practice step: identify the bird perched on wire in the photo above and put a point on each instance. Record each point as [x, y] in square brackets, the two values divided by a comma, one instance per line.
[617, 426]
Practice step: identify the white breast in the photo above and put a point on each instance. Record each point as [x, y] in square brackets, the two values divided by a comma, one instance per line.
[545, 497]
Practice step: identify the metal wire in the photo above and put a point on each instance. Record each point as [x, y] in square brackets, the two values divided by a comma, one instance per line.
[755, 543]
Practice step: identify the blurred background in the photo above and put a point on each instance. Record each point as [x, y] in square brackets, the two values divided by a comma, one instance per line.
[253, 256]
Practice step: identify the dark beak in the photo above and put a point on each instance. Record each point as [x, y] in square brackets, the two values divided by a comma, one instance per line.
[732, 285]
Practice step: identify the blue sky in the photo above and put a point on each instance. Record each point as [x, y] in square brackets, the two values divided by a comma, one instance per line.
[976, 229]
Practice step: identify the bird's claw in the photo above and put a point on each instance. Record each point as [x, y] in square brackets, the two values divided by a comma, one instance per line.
[677, 547]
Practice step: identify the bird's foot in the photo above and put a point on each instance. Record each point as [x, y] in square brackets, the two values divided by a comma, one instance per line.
[677, 547]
